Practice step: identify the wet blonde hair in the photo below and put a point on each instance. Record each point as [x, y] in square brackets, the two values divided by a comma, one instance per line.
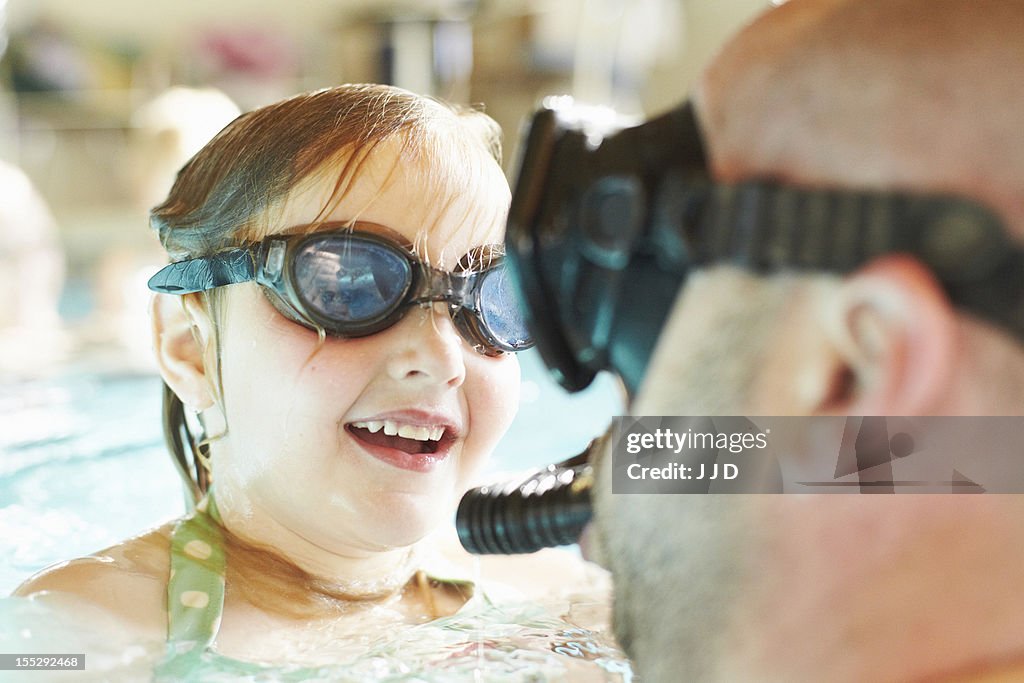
[226, 195]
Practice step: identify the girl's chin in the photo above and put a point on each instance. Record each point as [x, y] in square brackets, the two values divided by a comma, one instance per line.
[401, 520]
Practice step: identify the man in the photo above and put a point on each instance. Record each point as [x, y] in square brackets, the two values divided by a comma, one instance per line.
[910, 95]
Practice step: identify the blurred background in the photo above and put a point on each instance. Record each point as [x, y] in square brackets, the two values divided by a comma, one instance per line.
[101, 102]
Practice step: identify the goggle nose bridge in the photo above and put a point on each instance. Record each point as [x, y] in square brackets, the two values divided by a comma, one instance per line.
[438, 285]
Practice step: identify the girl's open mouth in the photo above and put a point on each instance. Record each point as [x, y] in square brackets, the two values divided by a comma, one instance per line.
[410, 447]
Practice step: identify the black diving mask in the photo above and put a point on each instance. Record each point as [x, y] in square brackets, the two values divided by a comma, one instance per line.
[354, 284]
[608, 220]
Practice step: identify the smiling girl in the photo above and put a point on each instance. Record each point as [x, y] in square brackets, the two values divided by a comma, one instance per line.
[337, 337]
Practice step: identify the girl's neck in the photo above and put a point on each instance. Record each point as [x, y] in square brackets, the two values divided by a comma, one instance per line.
[258, 540]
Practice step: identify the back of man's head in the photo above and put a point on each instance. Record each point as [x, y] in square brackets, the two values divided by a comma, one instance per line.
[911, 95]
[908, 95]
[917, 94]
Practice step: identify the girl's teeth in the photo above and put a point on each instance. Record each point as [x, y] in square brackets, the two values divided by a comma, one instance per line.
[417, 433]
[392, 428]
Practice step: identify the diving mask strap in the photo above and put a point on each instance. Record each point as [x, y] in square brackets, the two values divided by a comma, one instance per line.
[767, 227]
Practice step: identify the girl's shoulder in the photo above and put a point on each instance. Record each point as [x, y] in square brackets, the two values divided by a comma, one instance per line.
[127, 581]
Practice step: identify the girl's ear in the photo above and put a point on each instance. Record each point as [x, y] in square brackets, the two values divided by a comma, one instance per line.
[182, 331]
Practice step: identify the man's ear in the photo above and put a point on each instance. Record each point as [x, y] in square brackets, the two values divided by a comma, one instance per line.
[182, 331]
[894, 336]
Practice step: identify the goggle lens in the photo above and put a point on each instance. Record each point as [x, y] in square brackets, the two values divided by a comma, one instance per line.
[501, 311]
[350, 281]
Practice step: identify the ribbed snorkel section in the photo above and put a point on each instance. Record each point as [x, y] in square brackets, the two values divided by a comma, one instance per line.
[549, 508]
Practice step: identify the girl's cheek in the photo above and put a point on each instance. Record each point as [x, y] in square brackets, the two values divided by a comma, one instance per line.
[495, 399]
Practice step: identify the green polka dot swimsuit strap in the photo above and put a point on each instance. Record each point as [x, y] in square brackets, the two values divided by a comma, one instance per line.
[195, 591]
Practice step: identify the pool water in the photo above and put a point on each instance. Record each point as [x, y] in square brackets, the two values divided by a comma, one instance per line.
[489, 642]
[82, 465]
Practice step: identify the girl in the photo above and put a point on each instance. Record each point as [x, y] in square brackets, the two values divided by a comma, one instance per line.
[337, 338]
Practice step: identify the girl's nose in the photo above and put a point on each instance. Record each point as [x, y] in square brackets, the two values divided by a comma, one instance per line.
[428, 347]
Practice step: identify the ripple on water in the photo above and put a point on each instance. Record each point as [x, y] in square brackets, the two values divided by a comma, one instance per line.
[488, 642]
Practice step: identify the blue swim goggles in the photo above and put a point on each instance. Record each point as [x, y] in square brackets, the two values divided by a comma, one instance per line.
[354, 284]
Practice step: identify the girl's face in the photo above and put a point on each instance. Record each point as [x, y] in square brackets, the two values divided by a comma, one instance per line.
[294, 451]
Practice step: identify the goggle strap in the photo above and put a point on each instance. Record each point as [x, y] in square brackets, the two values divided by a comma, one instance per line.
[204, 273]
